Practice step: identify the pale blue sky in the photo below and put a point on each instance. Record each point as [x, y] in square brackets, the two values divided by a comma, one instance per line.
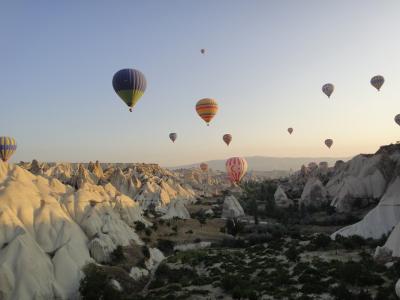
[265, 64]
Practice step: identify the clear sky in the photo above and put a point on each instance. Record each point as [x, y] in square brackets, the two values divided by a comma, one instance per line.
[265, 64]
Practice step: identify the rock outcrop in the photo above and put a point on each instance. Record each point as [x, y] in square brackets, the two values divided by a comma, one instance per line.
[231, 208]
[49, 231]
[281, 199]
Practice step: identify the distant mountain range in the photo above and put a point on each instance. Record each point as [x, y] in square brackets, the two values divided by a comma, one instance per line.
[265, 163]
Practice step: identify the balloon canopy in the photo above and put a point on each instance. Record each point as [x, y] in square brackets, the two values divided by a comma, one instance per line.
[203, 167]
[130, 85]
[290, 130]
[227, 138]
[236, 167]
[328, 89]
[7, 147]
[173, 136]
[397, 119]
[329, 143]
[207, 108]
[377, 81]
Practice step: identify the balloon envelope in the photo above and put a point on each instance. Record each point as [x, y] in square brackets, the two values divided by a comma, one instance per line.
[7, 147]
[328, 89]
[203, 167]
[207, 108]
[377, 81]
[329, 143]
[173, 136]
[397, 119]
[130, 85]
[203, 51]
[290, 130]
[236, 168]
[227, 138]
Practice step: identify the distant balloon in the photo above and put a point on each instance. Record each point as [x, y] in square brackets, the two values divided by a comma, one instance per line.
[7, 147]
[290, 130]
[329, 143]
[204, 167]
[328, 89]
[377, 82]
[173, 136]
[397, 119]
[130, 85]
[203, 51]
[227, 138]
[207, 109]
[236, 168]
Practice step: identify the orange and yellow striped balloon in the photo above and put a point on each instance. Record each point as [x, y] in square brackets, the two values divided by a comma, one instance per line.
[207, 109]
[7, 147]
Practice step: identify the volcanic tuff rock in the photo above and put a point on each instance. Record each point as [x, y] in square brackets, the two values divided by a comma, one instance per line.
[232, 208]
[49, 231]
[281, 199]
[314, 193]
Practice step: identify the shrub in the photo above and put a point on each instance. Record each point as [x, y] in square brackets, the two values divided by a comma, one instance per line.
[117, 255]
[234, 226]
[166, 246]
[342, 293]
[95, 285]
[139, 226]
[292, 253]
[146, 251]
[322, 241]
[147, 231]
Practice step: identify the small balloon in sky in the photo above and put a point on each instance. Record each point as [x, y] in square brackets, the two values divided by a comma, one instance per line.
[377, 81]
[203, 51]
[227, 138]
[328, 89]
[203, 167]
[173, 136]
[329, 143]
[8, 146]
[290, 130]
[397, 119]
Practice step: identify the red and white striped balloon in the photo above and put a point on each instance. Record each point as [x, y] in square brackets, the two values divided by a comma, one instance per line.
[236, 168]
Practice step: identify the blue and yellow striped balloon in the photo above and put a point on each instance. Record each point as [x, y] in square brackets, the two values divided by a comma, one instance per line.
[130, 85]
[7, 147]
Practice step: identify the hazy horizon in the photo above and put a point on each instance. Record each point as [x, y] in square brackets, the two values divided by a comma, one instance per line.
[265, 64]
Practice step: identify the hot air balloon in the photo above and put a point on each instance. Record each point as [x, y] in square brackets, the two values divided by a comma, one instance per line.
[130, 85]
[328, 89]
[329, 143]
[7, 147]
[204, 167]
[290, 130]
[377, 82]
[173, 136]
[227, 138]
[397, 119]
[203, 51]
[207, 108]
[236, 168]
